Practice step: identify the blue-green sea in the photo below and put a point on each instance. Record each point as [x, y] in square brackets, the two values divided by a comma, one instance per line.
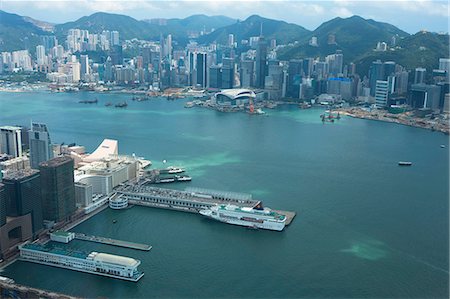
[365, 227]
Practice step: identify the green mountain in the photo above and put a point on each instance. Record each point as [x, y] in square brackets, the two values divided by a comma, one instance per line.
[283, 32]
[422, 49]
[16, 33]
[198, 23]
[127, 26]
[353, 35]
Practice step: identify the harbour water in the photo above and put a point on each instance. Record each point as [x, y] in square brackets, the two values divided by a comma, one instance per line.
[365, 227]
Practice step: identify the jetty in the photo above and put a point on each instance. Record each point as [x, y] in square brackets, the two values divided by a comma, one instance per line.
[114, 242]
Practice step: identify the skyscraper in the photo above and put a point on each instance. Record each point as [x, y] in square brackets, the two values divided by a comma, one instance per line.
[419, 75]
[215, 76]
[40, 55]
[58, 188]
[201, 70]
[381, 93]
[11, 141]
[23, 196]
[227, 77]
[261, 58]
[84, 61]
[375, 73]
[2, 205]
[40, 145]
[246, 73]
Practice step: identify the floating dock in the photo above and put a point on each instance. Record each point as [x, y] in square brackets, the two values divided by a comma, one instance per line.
[192, 199]
[114, 242]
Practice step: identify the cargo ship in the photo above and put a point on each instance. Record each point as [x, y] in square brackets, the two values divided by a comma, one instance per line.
[258, 217]
[104, 264]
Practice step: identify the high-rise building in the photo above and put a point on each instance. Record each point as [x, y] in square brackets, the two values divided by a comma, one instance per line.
[40, 55]
[84, 61]
[246, 73]
[227, 77]
[419, 75]
[11, 141]
[58, 189]
[114, 38]
[376, 72]
[444, 64]
[230, 40]
[381, 93]
[425, 96]
[294, 78]
[201, 70]
[2, 205]
[23, 196]
[215, 76]
[40, 144]
[261, 58]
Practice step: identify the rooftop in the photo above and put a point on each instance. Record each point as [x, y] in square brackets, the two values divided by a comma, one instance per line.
[18, 175]
[116, 259]
[10, 128]
[56, 161]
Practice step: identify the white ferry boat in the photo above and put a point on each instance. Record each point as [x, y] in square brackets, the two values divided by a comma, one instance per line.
[251, 217]
[172, 170]
[104, 264]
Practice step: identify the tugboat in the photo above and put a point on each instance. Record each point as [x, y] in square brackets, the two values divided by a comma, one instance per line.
[121, 105]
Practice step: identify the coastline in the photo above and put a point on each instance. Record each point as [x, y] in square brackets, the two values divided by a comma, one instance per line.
[406, 119]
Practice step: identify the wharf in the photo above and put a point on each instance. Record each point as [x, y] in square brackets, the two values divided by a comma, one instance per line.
[290, 215]
[114, 242]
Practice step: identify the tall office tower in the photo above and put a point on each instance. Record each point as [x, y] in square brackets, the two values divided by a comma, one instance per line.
[375, 73]
[246, 73]
[215, 76]
[381, 93]
[49, 41]
[2, 205]
[40, 144]
[261, 58]
[294, 78]
[419, 75]
[388, 69]
[307, 66]
[230, 40]
[201, 70]
[109, 71]
[11, 141]
[84, 61]
[58, 188]
[192, 58]
[23, 196]
[168, 47]
[40, 55]
[227, 77]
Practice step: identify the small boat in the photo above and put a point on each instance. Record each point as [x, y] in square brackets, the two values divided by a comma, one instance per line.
[404, 163]
[89, 101]
[108, 104]
[442, 146]
[114, 221]
[121, 105]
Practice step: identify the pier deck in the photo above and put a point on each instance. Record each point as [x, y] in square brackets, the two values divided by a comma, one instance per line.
[114, 242]
[290, 215]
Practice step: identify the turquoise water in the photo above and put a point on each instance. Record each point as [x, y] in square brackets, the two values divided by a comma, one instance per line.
[365, 227]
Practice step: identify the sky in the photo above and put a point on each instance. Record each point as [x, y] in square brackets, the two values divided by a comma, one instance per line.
[408, 15]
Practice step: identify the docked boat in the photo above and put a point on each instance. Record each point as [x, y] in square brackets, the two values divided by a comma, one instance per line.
[263, 218]
[183, 178]
[404, 163]
[171, 170]
[108, 104]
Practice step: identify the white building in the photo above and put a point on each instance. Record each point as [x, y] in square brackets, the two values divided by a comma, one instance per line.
[381, 93]
[11, 141]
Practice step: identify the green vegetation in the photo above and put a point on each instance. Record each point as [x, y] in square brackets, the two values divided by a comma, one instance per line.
[29, 77]
[283, 32]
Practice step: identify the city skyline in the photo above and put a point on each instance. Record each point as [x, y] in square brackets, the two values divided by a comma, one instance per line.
[433, 14]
